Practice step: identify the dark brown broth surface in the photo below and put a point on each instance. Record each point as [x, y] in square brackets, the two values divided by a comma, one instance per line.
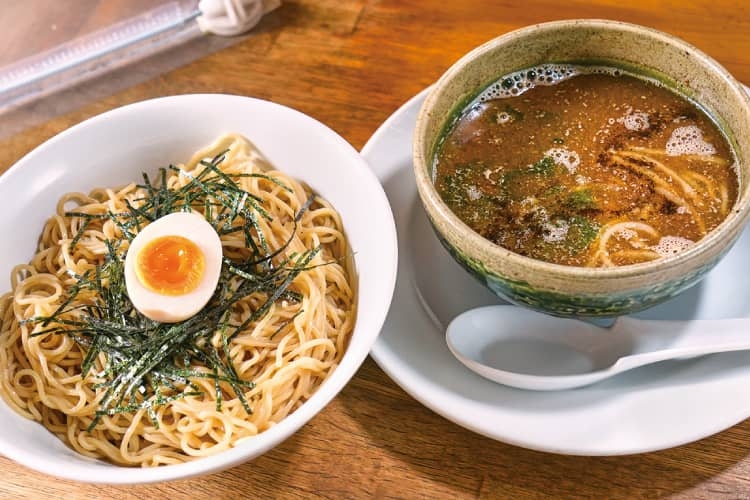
[594, 170]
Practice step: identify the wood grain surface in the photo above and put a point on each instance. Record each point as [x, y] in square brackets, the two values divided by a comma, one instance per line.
[350, 64]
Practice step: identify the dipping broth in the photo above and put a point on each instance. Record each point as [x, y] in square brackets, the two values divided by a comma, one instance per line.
[586, 166]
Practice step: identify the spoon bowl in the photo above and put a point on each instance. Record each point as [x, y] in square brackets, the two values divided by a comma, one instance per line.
[521, 348]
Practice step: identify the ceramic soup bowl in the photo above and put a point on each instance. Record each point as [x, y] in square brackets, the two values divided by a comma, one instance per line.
[571, 290]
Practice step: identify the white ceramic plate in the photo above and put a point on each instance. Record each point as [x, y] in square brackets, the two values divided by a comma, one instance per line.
[115, 148]
[653, 408]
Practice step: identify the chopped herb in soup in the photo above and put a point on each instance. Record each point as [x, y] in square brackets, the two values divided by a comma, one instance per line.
[586, 166]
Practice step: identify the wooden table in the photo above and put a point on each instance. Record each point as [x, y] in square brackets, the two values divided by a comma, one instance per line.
[350, 64]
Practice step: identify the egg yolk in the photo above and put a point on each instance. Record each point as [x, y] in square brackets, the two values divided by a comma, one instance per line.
[170, 265]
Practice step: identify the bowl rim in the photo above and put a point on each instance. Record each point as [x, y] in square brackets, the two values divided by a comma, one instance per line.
[89, 470]
[436, 207]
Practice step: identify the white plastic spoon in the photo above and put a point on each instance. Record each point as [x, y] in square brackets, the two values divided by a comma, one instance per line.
[518, 347]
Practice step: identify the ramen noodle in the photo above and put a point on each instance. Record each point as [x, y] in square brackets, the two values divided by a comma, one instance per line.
[153, 393]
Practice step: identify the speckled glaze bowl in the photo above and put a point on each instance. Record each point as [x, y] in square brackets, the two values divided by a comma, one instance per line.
[568, 290]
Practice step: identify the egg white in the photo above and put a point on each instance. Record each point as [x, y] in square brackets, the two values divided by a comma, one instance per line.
[174, 308]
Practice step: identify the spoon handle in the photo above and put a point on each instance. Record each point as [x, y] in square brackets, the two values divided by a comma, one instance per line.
[667, 339]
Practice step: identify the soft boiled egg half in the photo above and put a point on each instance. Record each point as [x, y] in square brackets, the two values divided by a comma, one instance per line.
[172, 267]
